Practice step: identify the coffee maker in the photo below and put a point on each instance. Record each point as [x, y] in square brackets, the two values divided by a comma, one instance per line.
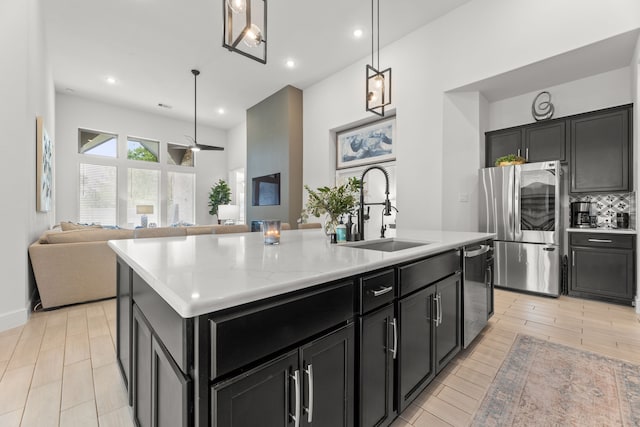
[580, 214]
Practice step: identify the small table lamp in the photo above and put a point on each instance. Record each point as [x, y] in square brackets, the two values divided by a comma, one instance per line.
[144, 210]
[228, 214]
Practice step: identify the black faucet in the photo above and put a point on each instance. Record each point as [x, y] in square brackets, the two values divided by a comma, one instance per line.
[387, 204]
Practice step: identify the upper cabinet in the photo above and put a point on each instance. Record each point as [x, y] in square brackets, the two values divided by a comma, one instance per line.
[596, 145]
[537, 142]
[601, 155]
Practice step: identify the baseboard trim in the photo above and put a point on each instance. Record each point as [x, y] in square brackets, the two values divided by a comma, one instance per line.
[13, 319]
[638, 304]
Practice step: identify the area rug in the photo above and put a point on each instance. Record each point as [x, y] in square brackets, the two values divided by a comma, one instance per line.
[546, 384]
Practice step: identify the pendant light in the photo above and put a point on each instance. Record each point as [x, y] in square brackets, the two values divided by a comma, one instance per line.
[378, 93]
[245, 28]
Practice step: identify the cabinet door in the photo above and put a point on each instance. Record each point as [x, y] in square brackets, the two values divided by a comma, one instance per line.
[600, 152]
[448, 331]
[328, 371]
[123, 320]
[502, 142]
[599, 272]
[265, 396]
[545, 141]
[141, 374]
[416, 367]
[378, 342]
[170, 390]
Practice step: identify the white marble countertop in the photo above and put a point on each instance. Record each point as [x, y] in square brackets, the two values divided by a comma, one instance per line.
[602, 230]
[202, 274]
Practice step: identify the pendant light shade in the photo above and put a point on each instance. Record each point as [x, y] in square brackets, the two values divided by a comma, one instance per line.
[245, 28]
[378, 82]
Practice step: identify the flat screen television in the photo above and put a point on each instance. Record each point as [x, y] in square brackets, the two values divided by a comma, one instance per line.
[266, 190]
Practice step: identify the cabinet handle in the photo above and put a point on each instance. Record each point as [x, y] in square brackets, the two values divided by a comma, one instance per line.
[382, 291]
[394, 350]
[573, 258]
[296, 381]
[309, 410]
[435, 309]
[601, 240]
[439, 309]
[518, 152]
[489, 276]
[526, 154]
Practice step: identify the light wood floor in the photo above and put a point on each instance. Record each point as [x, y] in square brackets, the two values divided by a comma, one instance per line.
[60, 368]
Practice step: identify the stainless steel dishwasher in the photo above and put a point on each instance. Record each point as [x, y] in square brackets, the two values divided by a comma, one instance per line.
[477, 289]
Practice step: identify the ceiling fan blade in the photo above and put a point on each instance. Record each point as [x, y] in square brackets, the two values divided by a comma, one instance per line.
[209, 147]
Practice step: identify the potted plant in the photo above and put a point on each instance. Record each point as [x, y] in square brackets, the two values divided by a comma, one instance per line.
[220, 194]
[332, 202]
[510, 159]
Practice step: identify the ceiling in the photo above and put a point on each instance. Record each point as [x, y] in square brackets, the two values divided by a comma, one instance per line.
[150, 46]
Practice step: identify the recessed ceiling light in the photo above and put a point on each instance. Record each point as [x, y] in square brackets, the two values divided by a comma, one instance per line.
[221, 111]
[111, 80]
[358, 33]
[290, 63]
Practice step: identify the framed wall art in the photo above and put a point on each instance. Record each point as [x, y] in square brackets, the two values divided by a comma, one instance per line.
[371, 143]
[44, 167]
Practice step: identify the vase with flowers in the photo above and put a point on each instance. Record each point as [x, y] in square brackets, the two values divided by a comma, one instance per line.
[332, 202]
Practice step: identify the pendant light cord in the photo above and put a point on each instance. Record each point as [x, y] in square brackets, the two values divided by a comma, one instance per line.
[378, 35]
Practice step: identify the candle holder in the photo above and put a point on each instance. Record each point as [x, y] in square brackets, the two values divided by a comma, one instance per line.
[271, 232]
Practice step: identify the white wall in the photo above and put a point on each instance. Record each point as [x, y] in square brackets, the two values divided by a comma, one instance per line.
[478, 40]
[27, 91]
[73, 112]
[592, 93]
[237, 146]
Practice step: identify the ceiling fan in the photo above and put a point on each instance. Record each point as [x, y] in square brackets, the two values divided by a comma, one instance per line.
[194, 141]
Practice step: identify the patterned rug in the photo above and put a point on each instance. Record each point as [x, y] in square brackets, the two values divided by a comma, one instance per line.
[546, 384]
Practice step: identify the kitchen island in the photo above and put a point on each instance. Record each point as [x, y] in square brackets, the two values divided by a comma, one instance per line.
[223, 330]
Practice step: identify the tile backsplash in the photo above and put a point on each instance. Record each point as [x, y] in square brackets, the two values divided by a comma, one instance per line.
[608, 205]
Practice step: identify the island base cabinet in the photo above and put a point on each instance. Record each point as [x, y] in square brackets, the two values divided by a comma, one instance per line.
[311, 386]
[448, 333]
[376, 375]
[162, 393]
[416, 367]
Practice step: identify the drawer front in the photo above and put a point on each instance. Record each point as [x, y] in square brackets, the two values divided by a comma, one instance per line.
[247, 335]
[422, 273]
[376, 290]
[602, 240]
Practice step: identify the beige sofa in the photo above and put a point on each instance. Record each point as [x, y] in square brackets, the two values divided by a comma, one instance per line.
[77, 265]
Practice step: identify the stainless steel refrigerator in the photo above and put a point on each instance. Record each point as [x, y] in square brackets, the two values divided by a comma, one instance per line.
[521, 204]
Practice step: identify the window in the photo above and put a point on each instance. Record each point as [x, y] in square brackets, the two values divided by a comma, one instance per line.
[143, 189]
[181, 189]
[142, 149]
[98, 194]
[179, 155]
[97, 143]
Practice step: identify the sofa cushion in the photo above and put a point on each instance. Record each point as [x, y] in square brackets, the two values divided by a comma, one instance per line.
[160, 232]
[89, 235]
[68, 225]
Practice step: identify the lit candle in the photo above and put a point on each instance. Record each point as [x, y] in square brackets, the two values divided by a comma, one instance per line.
[271, 232]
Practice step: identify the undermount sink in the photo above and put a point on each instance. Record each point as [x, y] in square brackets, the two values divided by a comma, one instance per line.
[387, 245]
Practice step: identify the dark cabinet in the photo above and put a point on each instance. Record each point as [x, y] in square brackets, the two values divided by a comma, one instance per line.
[313, 384]
[378, 347]
[416, 365]
[500, 143]
[448, 330]
[601, 158]
[602, 266]
[545, 141]
[161, 392]
[123, 323]
[536, 142]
